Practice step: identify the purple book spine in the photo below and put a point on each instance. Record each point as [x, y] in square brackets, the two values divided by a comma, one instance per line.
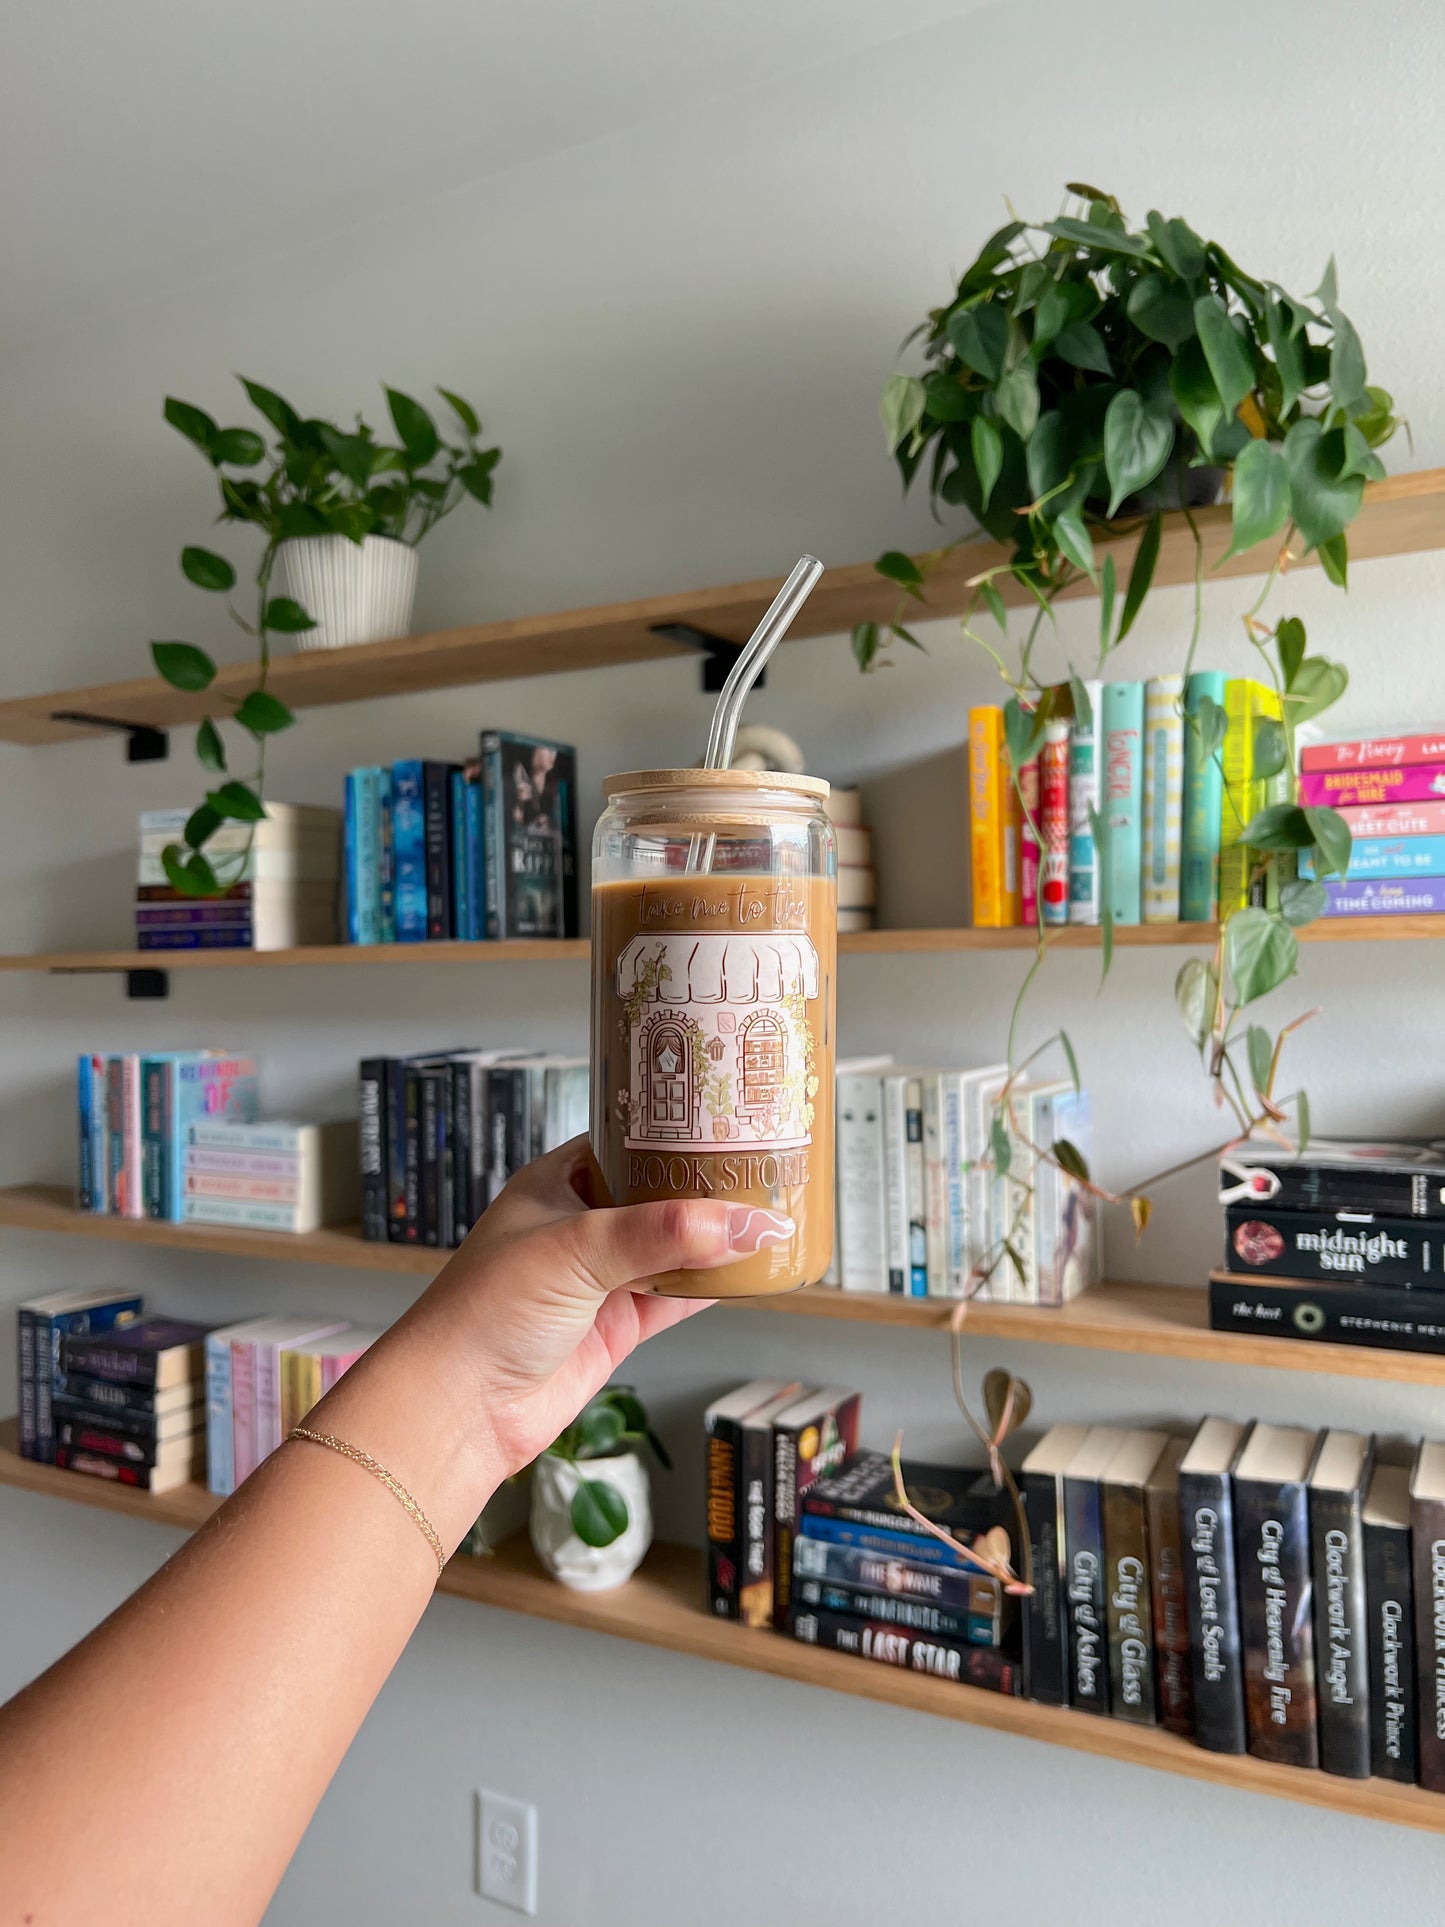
[1350, 788]
[231, 936]
[1424, 896]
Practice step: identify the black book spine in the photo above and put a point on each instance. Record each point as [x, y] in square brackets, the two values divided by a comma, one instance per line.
[1084, 1566]
[478, 1093]
[1271, 1523]
[1383, 1317]
[25, 1369]
[429, 1166]
[1362, 1249]
[1129, 1606]
[372, 1110]
[411, 1217]
[1045, 1621]
[1427, 1532]
[1330, 1188]
[436, 829]
[446, 1161]
[499, 1128]
[930, 1653]
[519, 1128]
[567, 823]
[1206, 1517]
[724, 1517]
[755, 1523]
[1394, 1744]
[395, 1093]
[493, 836]
[460, 1140]
[154, 1142]
[1337, 1554]
[917, 1615]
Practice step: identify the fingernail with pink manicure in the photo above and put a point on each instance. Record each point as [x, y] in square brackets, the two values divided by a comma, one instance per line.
[750, 1228]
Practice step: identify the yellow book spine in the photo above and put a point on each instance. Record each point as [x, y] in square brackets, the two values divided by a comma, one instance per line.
[300, 1388]
[1246, 704]
[993, 822]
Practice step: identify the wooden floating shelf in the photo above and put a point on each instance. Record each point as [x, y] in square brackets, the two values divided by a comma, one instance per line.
[863, 943]
[1151, 1321]
[1401, 515]
[663, 1606]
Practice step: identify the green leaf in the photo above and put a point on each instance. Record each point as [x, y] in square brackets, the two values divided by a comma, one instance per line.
[1177, 245]
[241, 447]
[1260, 951]
[281, 415]
[1108, 583]
[1137, 441]
[1289, 637]
[1141, 574]
[601, 1426]
[902, 408]
[1322, 500]
[1327, 293]
[1360, 458]
[463, 410]
[906, 635]
[264, 714]
[1018, 399]
[1160, 309]
[1070, 1158]
[1316, 684]
[1335, 560]
[598, 1513]
[1195, 988]
[1224, 351]
[201, 825]
[1347, 362]
[1082, 346]
[183, 665]
[415, 426]
[997, 607]
[1073, 1061]
[865, 643]
[1302, 1121]
[1046, 462]
[1101, 240]
[1023, 732]
[1195, 394]
[237, 801]
[1271, 748]
[1211, 720]
[476, 477]
[948, 401]
[1301, 901]
[194, 423]
[1261, 495]
[206, 570]
[1083, 708]
[1000, 1146]
[979, 336]
[1376, 418]
[210, 751]
[987, 445]
[286, 617]
[1073, 541]
[1289, 353]
[900, 568]
[191, 874]
[1280, 826]
[296, 520]
[1261, 1057]
[1332, 839]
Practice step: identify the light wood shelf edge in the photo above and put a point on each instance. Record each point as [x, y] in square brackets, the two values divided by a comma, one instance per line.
[663, 1607]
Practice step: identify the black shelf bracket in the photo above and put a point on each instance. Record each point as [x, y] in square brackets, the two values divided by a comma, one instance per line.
[143, 986]
[719, 654]
[144, 743]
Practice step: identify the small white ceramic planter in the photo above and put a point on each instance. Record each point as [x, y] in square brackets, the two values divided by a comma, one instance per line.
[589, 1568]
[353, 593]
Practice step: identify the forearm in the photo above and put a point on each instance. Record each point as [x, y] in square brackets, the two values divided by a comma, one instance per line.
[239, 1674]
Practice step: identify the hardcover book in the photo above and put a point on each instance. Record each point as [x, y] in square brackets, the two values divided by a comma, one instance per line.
[1123, 782]
[408, 838]
[1045, 1617]
[1174, 1674]
[1276, 1606]
[1389, 858]
[1054, 824]
[1200, 805]
[1085, 1567]
[929, 1653]
[1427, 1535]
[1084, 797]
[1396, 1178]
[1390, 1605]
[1030, 842]
[916, 1202]
[1246, 705]
[1394, 1318]
[993, 822]
[1402, 819]
[1163, 797]
[813, 1437]
[1206, 1525]
[1339, 1480]
[176, 1464]
[1363, 1247]
[529, 790]
[1128, 1566]
[437, 835]
[726, 1489]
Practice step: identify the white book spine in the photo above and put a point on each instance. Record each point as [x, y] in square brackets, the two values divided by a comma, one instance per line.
[955, 1188]
[935, 1199]
[860, 1249]
[981, 1094]
[895, 1180]
[242, 1212]
[917, 1286]
[1163, 797]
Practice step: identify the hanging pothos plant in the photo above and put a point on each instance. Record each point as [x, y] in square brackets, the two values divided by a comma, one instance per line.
[1084, 378]
[313, 479]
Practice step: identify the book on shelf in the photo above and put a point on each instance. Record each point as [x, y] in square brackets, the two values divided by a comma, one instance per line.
[1396, 1177]
[1338, 1483]
[309, 1176]
[220, 1381]
[1276, 1594]
[1173, 1664]
[815, 1435]
[529, 794]
[310, 1367]
[1045, 1616]
[993, 822]
[174, 1465]
[281, 874]
[1084, 1566]
[1163, 798]
[1395, 819]
[369, 859]
[1247, 704]
[893, 1609]
[1390, 1638]
[1122, 776]
[1350, 789]
[1030, 842]
[1211, 1582]
[152, 1353]
[1053, 821]
[41, 1325]
[861, 1237]
[890, 1645]
[1388, 1317]
[1388, 859]
[1084, 804]
[738, 1475]
[1362, 1247]
[133, 1435]
[881, 1586]
[1128, 1568]
[1375, 752]
[958, 1499]
[1201, 804]
[1423, 897]
[1427, 1534]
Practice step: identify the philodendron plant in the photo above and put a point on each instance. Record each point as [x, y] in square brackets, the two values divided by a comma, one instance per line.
[614, 1424]
[1084, 377]
[312, 479]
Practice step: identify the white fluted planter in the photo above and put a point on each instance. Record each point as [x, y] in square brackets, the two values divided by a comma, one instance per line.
[353, 592]
[582, 1567]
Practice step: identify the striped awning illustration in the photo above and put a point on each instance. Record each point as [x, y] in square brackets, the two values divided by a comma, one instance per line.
[723, 969]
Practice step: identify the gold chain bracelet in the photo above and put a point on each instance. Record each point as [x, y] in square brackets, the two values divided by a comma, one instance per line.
[393, 1485]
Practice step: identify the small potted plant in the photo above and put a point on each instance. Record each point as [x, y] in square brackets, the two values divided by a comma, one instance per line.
[591, 1518]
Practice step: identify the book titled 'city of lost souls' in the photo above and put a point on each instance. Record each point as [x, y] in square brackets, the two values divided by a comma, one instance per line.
[1390, 1606]
[734, 1486]
[1206, 1525]
[1339, 1480]
[1276, 1603]
[1084, 1569]
[1427, 1531]
[1045, 1618]
[1128, 1599]
[814, 1436]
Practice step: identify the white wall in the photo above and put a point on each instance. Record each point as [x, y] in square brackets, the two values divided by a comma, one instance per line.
[678, 334]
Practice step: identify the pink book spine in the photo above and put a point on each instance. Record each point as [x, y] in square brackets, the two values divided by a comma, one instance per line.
[244, 1164]
[1054, 824]
[210, 1184]
[243, 1409]
[1029, 842]
[1380, 788]
[132, 1205]
[268, 1400]
[335, 1365]
[1424, 819]
[1374, 752]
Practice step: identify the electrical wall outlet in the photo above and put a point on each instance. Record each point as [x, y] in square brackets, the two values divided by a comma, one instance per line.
[507, 1851]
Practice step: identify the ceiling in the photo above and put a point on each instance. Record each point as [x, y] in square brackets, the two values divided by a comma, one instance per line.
[149, 144]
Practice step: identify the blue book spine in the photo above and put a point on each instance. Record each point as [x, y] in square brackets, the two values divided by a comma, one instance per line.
[1203, 801]
[919, 1551]
[351, 855]
[408, 829]
[1123, 715]
[202, 1088]
[369, 857]
[385, 860]
[85, 1181]
[1389, 858]
[461, 878]
[49, 1330]
[220, 1456]
[476, 860]
[25, 1374]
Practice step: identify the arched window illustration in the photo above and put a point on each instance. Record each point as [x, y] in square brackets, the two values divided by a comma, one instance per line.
[764, 1055]
[669, 1083]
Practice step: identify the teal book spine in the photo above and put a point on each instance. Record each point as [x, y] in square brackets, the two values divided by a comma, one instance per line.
[1084, 799]
[1123, 718]
[1203, 801]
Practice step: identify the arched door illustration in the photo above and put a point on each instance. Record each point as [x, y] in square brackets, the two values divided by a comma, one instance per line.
[764, 1055]
[669, 1083]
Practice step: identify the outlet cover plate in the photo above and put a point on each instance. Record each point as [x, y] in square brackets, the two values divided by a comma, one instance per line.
[507, 1851]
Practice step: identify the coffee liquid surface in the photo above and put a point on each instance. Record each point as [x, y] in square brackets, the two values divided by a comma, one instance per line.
[712, 1058]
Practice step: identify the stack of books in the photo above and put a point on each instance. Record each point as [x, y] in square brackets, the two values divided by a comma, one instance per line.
[1255, 1588]
[483, 849]
[128, 1403]
[134, 1115]
[282, 895]
[270, 1175]
[1343, 1244]
[443, 1131]
[857, 882]
[1173, 815]
[262, 1377]
[920, 1208]
[41, 1325]
[1391, 792]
